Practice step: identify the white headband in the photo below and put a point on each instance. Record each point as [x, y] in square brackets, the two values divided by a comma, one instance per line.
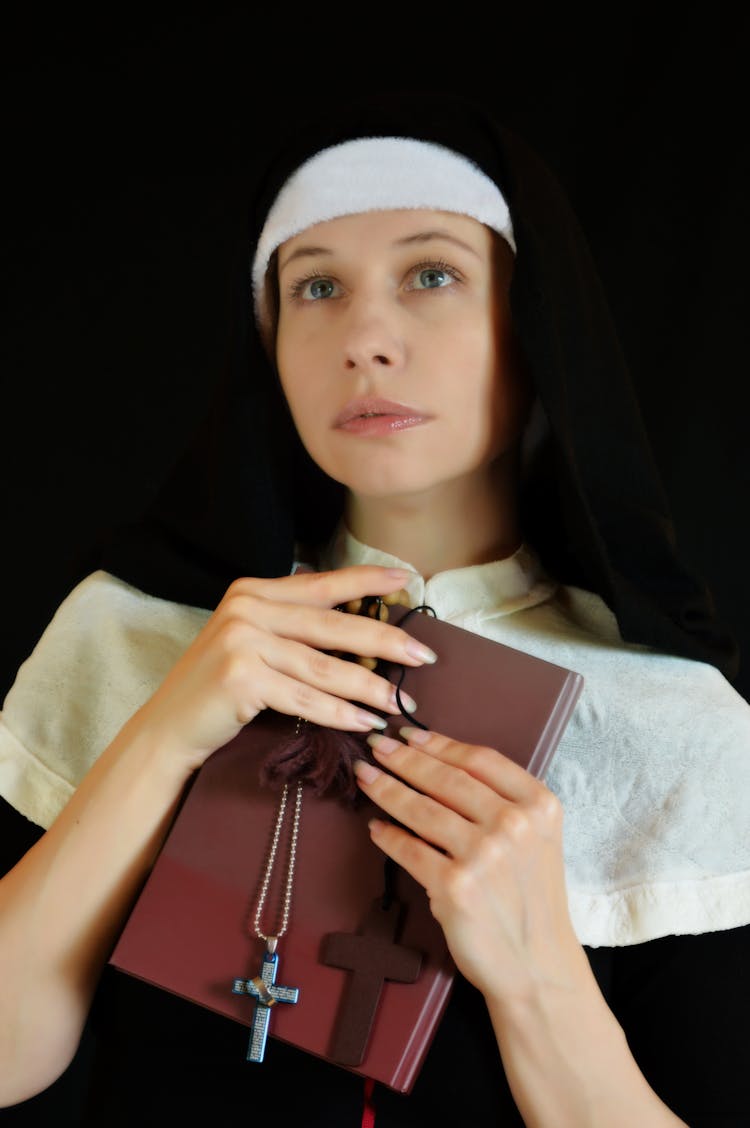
[370, 174]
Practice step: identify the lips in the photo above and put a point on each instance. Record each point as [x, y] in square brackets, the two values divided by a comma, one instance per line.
[373, 406]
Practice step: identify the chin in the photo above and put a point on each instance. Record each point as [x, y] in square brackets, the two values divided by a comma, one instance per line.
[380, 488]
[371, 476]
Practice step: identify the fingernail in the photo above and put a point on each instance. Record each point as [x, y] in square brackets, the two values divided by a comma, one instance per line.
[382, 743]
[415, 735]
[399, 573]
[369, 720]
[408, 702]
[364, 771]
[418, 650]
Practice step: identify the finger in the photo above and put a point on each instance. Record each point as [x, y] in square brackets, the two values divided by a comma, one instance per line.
[498, 772]
[326, 589]
[424, 816]
[448, 784]
[324, 628]
[297, 699]
[420, 860]
[333, 675]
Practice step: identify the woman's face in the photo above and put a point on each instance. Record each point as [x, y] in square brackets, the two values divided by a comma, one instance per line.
[409, 306]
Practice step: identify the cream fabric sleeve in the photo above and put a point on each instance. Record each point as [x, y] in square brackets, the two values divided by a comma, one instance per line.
[104, 652]
[653, 772]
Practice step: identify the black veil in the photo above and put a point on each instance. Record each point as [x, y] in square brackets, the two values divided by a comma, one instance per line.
[245, 491]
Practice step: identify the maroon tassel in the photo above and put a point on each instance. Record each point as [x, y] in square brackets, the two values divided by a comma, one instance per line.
[322, 758]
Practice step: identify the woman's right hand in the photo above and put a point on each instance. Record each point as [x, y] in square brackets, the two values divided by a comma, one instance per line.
[263, 647]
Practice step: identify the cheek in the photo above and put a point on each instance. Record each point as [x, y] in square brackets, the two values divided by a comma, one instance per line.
[488, 390]
[288, 350]
[475, 366]
[300, 399]
[295, 363]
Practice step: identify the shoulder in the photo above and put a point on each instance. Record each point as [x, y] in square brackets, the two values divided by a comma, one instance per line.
[576, 628]
[102, 594]
[104, 652]
[653, 772]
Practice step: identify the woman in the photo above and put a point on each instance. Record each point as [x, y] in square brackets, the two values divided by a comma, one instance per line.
[437, 403]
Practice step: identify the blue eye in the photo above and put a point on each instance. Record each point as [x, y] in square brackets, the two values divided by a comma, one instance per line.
[432, 276]
[312, 289]
[321, 288]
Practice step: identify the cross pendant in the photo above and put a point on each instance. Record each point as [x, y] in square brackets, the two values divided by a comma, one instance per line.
[264, 989]
[372, 957]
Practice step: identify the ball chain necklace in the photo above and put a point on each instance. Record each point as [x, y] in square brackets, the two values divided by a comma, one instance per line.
[263, 987]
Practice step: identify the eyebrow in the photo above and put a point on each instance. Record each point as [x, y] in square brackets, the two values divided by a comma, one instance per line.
[419, 237]
[437, 233]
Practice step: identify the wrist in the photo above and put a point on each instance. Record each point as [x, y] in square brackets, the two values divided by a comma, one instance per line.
[567, 1059]
[148, 749]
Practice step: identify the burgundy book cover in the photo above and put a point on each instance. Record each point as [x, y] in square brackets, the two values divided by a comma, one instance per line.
[190, 931]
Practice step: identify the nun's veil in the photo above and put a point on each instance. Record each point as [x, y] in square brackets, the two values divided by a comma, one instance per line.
[245, 490]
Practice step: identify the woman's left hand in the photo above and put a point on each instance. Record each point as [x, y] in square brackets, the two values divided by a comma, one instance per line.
[487, 848]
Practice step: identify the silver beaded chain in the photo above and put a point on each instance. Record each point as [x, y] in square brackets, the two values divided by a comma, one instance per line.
[271, 940]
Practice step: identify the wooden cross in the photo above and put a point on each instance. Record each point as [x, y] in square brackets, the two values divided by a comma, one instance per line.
[264, 990]
[373, 957]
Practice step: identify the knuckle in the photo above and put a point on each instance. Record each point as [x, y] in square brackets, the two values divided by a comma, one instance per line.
[296, 619]
[492, 850]
[516, 823]
[237, 604]
[546, 806]
[320, 665]
[303, 698]
[239, 591]
[323, 585]
[232, 634]
[477, 759]
[461, 885]
[447, 782]
[233, 671]
[428, 811]
[240, 586]
[331, 620]
[410, 851]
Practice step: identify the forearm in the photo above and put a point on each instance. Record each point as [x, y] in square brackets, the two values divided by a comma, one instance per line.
[568, 1063]
[63, 905]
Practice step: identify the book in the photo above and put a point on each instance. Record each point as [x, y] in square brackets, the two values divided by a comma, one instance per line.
[191, 929]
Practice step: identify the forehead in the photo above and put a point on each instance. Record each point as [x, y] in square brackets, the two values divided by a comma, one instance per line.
[389, 229]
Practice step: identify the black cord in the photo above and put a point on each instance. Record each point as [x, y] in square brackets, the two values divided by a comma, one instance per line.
[390, 869]
[411, 719]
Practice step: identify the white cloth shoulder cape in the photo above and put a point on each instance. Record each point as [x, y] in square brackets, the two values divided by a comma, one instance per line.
[653, 770]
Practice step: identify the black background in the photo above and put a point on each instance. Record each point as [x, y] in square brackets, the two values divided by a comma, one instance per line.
[128, 140]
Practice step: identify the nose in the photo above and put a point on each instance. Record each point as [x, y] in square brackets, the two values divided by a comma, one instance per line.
[371, 338]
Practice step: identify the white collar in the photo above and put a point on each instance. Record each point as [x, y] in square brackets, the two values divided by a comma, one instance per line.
[499, 587]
